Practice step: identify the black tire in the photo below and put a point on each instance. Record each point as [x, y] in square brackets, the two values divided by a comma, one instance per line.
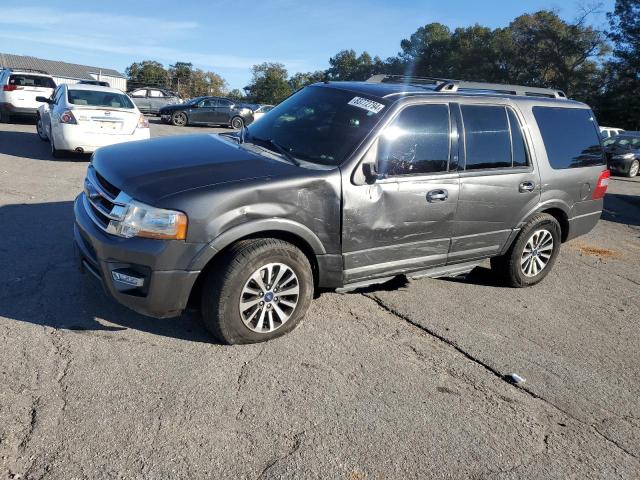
[634, 167]
[225, 283]
[179, 119]
[40, 130]
[55, 153]
[237, 123]
[512, 264]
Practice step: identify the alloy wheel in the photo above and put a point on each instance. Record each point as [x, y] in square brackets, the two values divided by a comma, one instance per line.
[536, 253]
[180, 119]
[269, 297]
[634, 168]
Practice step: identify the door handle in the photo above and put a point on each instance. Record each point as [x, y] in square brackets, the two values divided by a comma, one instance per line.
[437, 196]
[527, 186]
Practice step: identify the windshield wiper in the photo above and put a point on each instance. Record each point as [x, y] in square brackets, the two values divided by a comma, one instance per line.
[283, 151]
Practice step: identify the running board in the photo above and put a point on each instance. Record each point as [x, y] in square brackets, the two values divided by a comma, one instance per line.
[436, 272]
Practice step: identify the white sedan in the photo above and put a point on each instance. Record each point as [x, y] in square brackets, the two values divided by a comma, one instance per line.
[82, 118]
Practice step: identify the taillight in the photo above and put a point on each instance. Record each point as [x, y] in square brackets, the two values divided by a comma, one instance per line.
[143, 122]
[68, 118]
[10, 88]
[601, 185]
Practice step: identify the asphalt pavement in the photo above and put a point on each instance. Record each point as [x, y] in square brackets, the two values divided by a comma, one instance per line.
[403, 380]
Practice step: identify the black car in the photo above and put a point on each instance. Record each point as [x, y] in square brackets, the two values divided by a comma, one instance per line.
[207, 111]
[623, 153]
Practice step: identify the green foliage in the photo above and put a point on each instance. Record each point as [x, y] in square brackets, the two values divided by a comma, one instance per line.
[300, 80]
[146, 73]
[269, 83]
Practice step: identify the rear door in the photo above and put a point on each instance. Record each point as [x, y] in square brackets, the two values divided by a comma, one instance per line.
[498, 182]
[223, 111]
[141, 99]
[156, 99]
[403, 221]
[24, 88]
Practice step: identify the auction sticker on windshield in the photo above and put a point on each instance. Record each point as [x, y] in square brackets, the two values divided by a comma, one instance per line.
[366, 104]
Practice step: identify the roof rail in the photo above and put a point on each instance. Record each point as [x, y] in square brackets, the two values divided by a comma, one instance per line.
[447, 85]
[34, 70]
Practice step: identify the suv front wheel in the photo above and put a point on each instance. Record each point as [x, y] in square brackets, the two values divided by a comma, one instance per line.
[532, 255]
[259, 290]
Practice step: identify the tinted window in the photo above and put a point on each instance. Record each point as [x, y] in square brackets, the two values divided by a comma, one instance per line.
[99, 99]
[224, 103]
[31, 81]
[570, 137]
[319, 124]
[416, 142]
[208, 103]
[487, 139]
[519, 150]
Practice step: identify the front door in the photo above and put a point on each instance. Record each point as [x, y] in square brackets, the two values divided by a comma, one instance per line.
[205, 111]
[498, 183]
[403, 221]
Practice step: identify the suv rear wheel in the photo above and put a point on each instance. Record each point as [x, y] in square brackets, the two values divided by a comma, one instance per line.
[532, 255]
[260, 290]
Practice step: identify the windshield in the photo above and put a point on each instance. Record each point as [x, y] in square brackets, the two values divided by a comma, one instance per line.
[319, 124]
[623, 141]
[92, 98]
[193, 101]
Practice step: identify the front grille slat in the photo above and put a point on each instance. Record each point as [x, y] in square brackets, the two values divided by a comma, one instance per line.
[104, 202]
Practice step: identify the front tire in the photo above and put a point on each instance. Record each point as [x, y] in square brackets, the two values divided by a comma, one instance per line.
[258, 291]
[179, 119]
[237, 123]
[40, 130]
[633, 168]
[533, 254]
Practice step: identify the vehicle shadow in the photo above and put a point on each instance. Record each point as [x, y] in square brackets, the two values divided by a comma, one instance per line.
[28, 145]
[621, 208]
[42, 283]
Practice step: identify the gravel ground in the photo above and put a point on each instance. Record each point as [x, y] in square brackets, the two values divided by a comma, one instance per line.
[404, 380]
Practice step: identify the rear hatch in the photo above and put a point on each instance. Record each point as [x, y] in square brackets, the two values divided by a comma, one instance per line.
[23, 88]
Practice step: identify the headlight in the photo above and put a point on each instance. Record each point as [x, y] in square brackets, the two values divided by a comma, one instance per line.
[142, 220]
[626, 156]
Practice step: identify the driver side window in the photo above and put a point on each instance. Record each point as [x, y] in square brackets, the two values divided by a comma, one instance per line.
[417, 142]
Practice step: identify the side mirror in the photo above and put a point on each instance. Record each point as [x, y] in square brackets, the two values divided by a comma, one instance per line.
[370, 171]
[44, 100]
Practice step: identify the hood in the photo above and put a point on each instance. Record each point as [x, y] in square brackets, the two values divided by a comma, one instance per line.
[149, 170]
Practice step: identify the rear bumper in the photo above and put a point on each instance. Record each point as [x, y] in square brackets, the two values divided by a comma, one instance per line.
[72, 137]
[583, 224]
[165, 292]
[16, 110]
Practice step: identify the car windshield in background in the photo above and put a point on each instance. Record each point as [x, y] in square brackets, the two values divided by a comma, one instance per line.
[31, 81]
[91, 98]
[623, 142]
[319, 124]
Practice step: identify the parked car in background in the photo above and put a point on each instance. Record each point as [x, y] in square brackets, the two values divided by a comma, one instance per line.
[341, 185]
[19, 89]
[623, 153]
[151, 99]
[607, 132]
[82, 118]
[261, 110]
[100, 83]
[207, 111]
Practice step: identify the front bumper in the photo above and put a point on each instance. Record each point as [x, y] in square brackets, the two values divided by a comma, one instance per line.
[620, 165]
[161, 263]
[72, 137]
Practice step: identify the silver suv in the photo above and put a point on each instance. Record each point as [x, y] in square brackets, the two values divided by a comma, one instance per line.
[342, 185]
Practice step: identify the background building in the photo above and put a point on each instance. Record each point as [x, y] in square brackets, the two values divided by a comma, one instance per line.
[63, 72]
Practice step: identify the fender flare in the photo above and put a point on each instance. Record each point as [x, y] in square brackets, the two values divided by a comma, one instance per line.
[251, 228]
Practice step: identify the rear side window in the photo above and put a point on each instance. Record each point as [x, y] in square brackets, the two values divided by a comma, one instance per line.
[487, 140]
[31, 81]
[570, 137]
[416, 142]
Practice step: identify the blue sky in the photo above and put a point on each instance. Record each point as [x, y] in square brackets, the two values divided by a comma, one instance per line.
[228, 36]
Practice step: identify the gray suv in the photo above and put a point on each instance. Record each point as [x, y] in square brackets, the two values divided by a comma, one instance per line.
[342, 185]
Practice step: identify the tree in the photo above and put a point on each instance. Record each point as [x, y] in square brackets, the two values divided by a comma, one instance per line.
[269, 83]
[348, 65]
[300, 80]
[147, 72]
[428, 52]
[620, 105]
[206, 83]
[236, 95]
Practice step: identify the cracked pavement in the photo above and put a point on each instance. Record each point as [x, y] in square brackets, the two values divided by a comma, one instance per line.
[401, 380]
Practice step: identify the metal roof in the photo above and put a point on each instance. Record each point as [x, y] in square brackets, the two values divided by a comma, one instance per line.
[55, 68]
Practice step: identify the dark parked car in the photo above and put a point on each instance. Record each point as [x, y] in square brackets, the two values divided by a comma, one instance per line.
[623, 153]
[208, 111]
[150, 100]
[342, 185]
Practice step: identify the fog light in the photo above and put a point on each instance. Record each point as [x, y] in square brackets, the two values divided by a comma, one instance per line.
[127, 279]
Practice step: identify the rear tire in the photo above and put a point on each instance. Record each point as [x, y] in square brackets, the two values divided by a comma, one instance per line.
[633, 169]
[238, 309]
[237, 123]
[532, 255]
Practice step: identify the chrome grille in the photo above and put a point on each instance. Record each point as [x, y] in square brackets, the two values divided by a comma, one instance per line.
[105, 204]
